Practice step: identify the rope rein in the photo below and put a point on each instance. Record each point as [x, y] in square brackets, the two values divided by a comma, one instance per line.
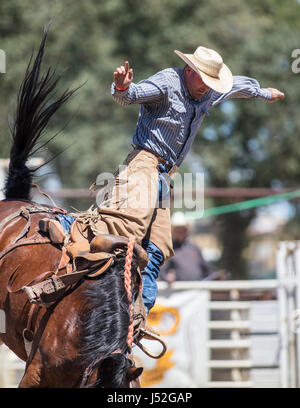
[127, 283]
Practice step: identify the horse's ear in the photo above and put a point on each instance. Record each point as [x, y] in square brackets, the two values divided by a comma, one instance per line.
[134, 372]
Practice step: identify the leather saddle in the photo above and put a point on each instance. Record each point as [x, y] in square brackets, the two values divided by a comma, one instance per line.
[86, 246]
[91, 256]
[83, 254]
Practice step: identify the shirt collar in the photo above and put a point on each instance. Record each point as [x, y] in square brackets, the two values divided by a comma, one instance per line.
[184, 87]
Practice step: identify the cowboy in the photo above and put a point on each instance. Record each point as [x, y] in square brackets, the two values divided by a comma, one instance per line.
[173, 104]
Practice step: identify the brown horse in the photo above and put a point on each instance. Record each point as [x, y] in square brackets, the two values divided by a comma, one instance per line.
[80, 340]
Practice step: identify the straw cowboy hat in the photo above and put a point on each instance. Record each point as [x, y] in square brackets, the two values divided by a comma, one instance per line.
[210, 66]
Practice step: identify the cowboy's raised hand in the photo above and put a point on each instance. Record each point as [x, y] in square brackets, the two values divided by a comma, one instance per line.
[123, 76]
[276, 95]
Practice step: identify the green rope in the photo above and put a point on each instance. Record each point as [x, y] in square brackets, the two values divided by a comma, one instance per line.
[243, 205]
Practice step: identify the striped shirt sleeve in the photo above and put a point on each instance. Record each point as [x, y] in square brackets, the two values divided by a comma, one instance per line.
[243, 87]
[150, 90]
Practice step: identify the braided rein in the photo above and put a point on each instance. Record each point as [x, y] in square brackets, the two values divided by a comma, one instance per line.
[127, 283]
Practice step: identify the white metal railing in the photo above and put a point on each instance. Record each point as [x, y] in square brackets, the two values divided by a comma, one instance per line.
[239, 326]
[233, 353]
[11, 368]
[220, 285]
[288, 274]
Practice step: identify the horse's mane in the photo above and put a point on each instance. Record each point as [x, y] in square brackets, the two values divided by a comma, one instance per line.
[105, 325]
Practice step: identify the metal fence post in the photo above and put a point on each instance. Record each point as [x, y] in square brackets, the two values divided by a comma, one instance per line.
[283, 358]
[288, 292]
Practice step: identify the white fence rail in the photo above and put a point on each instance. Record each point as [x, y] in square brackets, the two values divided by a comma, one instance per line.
[229, 331]
[11, 368]
[244, 343]
[227, 343]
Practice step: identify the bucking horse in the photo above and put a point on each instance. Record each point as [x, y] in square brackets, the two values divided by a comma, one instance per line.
[69, 312]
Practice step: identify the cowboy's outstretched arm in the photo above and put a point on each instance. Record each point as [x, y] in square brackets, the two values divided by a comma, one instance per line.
[125, 92]
[244, 87]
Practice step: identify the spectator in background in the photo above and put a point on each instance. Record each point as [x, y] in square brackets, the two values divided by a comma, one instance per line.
[188, 263]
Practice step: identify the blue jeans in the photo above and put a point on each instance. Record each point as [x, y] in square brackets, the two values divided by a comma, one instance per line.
[150, 274]
[66, 221]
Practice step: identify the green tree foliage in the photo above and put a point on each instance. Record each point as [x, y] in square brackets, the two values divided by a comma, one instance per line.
[242, 143]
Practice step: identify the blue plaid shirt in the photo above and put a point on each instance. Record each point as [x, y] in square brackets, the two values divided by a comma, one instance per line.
[169, 118]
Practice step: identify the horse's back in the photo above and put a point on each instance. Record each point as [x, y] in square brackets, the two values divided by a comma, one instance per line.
[9, 206]
[11, 223]
[18, 221]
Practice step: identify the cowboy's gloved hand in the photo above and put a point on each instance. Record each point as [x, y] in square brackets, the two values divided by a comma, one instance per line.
[123, 76]
[276, 95]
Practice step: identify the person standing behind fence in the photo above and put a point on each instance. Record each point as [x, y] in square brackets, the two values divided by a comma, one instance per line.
[188, 263]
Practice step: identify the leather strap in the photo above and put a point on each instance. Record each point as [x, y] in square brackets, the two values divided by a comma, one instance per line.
[64, 262]
[33, 282]
[10, 218]
[102, 269]
[28, 332]
[31, 210]
[62, 265]
[47, 196]
[25, 213]
[45, 292]
[33, 240]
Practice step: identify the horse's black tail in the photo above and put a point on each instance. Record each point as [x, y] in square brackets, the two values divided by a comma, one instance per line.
[36, 105]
